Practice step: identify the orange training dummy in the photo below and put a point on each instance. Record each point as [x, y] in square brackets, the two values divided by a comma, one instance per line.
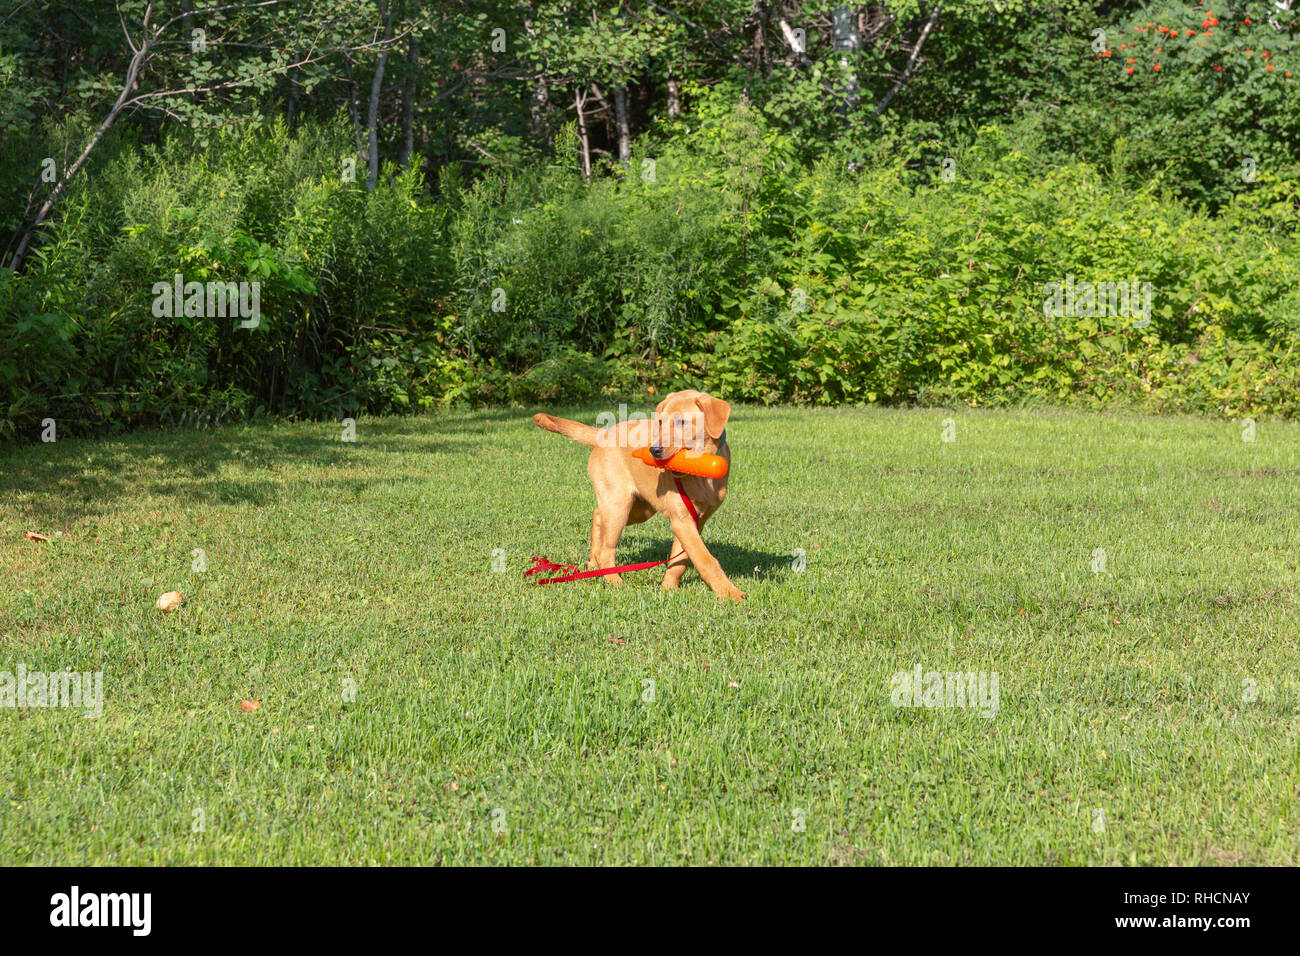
[702, 465]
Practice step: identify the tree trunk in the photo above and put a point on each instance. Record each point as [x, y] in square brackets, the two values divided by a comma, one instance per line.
[844, 27]
[408, 101]
[372, 117]
[292, 106]
[353, 111]
[620, 122]
[539, 109]
[580, 101]
[674, 97]
[911, 61]
[132, 76]
[796, 41]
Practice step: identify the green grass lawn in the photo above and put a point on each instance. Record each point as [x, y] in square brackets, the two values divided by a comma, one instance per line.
[1161, 691]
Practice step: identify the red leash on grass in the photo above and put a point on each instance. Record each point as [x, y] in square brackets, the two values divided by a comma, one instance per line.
[541, 564]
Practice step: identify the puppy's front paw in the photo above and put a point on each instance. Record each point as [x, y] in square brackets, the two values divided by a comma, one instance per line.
[732, 594]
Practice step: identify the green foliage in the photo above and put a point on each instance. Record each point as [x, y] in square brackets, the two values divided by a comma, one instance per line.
[938, 294]
[830, 285]
[1206, 103]
[904, 271]
[349, 282]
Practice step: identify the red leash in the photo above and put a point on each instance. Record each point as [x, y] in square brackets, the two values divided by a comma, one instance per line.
[541, 564]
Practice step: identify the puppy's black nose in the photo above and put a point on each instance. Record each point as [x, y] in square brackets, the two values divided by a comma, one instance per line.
[656, 451]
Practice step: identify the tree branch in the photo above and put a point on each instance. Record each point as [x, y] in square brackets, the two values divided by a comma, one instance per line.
[911, 61]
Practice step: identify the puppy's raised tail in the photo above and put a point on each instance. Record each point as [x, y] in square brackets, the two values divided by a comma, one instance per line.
[583, 434]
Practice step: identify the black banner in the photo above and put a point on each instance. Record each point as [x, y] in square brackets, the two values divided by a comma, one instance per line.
[333, 906]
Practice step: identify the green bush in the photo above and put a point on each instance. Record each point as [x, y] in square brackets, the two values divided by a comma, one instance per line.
[350, 284]
[938, 292]
[718, 259]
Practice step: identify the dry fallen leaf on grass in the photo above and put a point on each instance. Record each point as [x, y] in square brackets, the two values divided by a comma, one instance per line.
[248, 706]
[615, 640]
[35, 536]
[170, 601]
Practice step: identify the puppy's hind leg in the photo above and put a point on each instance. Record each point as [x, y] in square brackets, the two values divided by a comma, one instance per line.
[593, 560]
[606, 529]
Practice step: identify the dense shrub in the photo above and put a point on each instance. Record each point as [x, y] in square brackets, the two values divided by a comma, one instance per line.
[722, 257]
[939, 293]
[350, 283]
[1198, 96]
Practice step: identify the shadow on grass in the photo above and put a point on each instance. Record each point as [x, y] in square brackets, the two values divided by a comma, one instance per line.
[79, 478]
[737, 561]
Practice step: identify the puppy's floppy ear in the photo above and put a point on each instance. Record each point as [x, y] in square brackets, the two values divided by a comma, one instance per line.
[716, 412]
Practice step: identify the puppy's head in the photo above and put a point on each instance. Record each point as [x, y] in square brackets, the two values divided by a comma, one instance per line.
[688, 421]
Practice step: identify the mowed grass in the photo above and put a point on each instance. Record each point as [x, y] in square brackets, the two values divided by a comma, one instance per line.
[495, 721]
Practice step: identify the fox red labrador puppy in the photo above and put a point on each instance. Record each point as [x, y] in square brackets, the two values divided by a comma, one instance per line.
[628, 491]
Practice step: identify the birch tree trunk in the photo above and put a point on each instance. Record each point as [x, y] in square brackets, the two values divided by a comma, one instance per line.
[847, 42]
[579, 102]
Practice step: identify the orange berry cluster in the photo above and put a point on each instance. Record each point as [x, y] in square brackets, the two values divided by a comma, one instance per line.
[1208, 24]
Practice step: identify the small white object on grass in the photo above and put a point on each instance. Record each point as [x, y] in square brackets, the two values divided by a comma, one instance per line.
[170, 601]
